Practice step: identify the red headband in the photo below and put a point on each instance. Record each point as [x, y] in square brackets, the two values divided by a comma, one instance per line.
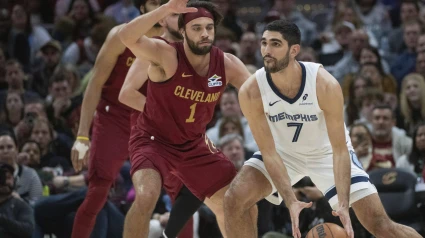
[202, 12]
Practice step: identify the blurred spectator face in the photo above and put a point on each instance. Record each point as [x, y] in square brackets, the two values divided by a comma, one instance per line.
[413, 92]
[230, 128]
[8, 151]
[366, 109]
[14, 102]
[51, 56]
[235, 152]
[343, 35]
[420, 47]
[7, 188]
[382, 122]
[41, 134]
[420, 138]
[19, 17]
[284, 6]
[33, 152]
[80, 10]
[4, 21]
[229, 105]
[359, 86]
[35, 108]
[408, 12]
[367, 56]
[420, 63]
[223, 6]
[359, 40]
[348, 15]
[391, 100]
[15, 76]
[410, 35]
[359, 135]
[61, 89]
[371, 72]
[249, 43]
[151, 5]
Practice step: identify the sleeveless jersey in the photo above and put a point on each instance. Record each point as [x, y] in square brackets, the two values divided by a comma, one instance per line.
[298, 125]
[178, 110]
[112, 87]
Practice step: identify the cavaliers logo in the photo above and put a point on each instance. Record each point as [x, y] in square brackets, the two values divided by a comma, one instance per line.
[389, 178]
[130, 61]
[210, 145]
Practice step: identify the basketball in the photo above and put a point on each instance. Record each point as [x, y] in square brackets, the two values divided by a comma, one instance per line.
[328, 230]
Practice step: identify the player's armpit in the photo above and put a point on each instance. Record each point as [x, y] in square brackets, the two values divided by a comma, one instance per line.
[236, 71]
[137, 76]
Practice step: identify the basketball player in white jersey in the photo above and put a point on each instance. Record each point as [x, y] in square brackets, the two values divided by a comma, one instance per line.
[295, 112]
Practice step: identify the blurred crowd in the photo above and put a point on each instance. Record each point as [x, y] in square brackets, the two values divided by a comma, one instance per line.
[374, 48]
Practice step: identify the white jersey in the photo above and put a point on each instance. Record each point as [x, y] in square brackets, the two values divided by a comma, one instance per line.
[298, 125]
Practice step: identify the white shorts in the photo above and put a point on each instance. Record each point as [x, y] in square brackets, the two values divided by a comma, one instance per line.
[321, 173]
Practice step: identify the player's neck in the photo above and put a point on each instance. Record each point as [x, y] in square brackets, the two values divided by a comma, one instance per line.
[169, 37]
[288, 78]
[200, 63]
[155, 31]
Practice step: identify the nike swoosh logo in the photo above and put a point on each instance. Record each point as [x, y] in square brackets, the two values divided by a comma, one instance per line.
[271, 104]
[186, 75]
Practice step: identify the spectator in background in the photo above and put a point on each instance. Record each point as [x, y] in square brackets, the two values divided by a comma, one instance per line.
[230, 19]
[249, 50]
[3, 82]
[16, 217]
[229, 106]
[71, 74]
[412, 101]
[389, 142]
[28, 184]
[224, 39]
[41, 12]
[415, 162]
[24, 39]
[13, 110]
[379, 80]
[307, 54]
[62, 6]
[81, 12]
[374, 16]
[4, 26]
[51, 55]
[288, 11]
[232, 147]
[230, 125]
[32, 157]
[15, 79]
[366, 102]
[350, 62]
[63, 31]
[405, 63]
[409, 11]
[123, 11]
[370, 54]
[420, 63]
[361, 138]
[356, 89]
[420, 45]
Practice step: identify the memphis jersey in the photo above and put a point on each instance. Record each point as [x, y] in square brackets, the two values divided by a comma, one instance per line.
[298, 125]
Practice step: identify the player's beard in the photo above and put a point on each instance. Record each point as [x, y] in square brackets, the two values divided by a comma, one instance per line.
[176, 34]
[277, 65]
[196, 49]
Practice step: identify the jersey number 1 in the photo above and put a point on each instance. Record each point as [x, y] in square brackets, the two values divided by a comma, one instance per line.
[297, 131]
[192, 114]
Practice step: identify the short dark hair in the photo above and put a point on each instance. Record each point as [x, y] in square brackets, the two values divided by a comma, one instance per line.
[211, 7]
[14, 62]
[384, 107]
[289, 31]
[139, 3]
[11, 134]
[58, 77]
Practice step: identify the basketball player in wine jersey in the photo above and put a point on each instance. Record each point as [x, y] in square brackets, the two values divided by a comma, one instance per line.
[185, 83]
[295, 111]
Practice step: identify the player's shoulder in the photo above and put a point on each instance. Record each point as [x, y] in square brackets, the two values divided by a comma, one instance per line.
[325, 81]
[250, 89]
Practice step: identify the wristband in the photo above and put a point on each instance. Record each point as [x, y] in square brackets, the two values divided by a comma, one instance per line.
[82, 138]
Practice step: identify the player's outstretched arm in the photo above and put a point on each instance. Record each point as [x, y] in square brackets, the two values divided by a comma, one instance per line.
[252, 108]
[331, 101]
[137, 75]
[104, 64]
[236, 71]
[133, 33]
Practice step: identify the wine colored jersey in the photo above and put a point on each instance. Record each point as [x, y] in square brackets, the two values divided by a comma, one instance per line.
[178, 110]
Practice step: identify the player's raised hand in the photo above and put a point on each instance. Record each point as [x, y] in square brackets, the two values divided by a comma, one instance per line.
[179, 6]
[295, 209]
[344, 216]
[80, 153]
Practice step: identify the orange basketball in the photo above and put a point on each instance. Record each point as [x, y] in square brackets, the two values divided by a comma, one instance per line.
[327, 230]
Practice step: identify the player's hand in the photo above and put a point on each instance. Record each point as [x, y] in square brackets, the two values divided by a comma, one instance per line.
[80, 154]
[344, 216]
[179, 6]
[295, 209]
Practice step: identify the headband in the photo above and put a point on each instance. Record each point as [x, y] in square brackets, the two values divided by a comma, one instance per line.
[202, 12]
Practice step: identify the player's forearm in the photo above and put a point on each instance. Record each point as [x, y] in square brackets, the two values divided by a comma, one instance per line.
[90, 102]
[131, 32]
[342, 172]
[132, 98]
[280, 177]
[77, 181]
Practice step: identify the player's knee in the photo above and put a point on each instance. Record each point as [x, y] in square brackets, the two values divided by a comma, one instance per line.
[146, 199]
[236, 198]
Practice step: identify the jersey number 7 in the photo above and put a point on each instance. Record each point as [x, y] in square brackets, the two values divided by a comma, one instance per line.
[299, 126]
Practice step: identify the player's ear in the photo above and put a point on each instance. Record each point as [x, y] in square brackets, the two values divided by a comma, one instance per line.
[294, 50]
[162, 22]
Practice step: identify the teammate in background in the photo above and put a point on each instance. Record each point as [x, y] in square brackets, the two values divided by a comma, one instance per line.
[111, 126]
[295, 111]
[185, 82]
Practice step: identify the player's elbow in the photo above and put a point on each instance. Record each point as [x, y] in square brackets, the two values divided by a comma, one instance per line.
[125, 38]
[123, 96]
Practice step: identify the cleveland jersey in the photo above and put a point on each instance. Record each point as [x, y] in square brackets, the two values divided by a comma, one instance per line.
[111, 89]
[298, 125]
[178, 110]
